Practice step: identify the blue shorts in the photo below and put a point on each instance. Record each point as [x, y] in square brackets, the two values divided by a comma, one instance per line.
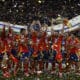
[1, 56]
[46, 55]
[24, 55]
[51, 60]
[14, 52]
[63, 55]
[73, 57]
[54, 54]
[31, 51]
[40, 57]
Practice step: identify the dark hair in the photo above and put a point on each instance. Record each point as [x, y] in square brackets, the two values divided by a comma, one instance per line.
[22, 29]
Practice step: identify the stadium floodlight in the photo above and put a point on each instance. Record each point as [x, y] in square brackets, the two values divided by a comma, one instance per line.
[39, 1]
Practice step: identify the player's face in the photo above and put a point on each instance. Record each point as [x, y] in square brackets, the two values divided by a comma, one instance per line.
[24, 32]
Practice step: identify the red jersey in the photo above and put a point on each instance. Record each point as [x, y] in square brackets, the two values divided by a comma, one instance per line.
[34, 37]
[57, 44]
[73, 50]
[56, 47]
[58, 57]
[23, 48]
[40, 47]
[35, 48]
[73, 44]
[73, 41]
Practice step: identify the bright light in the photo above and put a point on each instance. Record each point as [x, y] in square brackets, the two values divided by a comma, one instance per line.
[59, 15]
[40, 1]
[3, 0]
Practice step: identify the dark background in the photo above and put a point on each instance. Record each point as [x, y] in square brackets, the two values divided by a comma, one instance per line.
[24, 11]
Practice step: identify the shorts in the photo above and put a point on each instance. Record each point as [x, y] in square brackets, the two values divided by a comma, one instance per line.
[24, 56]
[46, 55]
[74, 57]
[13, 51]
[54, 55]
[1, 56]
[40, 57]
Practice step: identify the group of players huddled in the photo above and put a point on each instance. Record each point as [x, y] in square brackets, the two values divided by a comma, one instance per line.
[34, 51]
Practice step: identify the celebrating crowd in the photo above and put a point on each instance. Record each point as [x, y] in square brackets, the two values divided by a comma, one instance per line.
[34, 51]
